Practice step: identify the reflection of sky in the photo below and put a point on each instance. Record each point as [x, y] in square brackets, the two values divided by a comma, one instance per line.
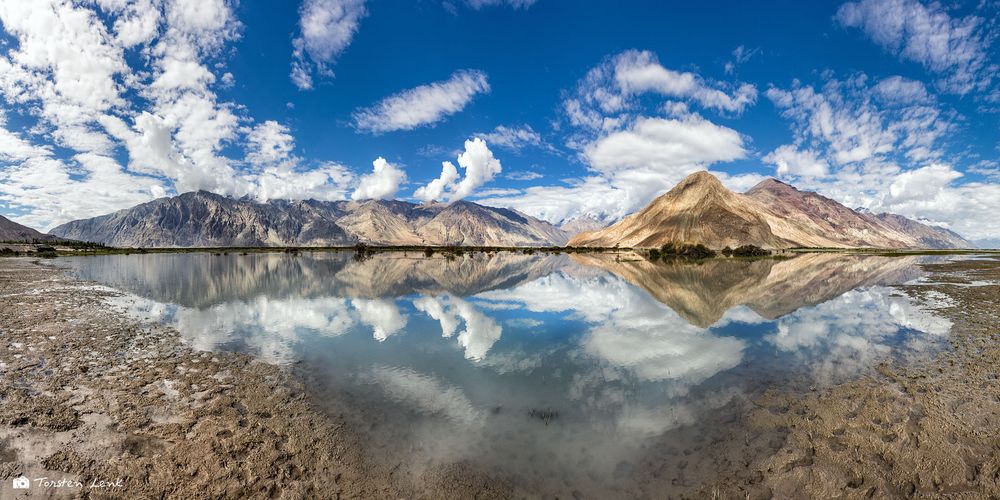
[617, 363]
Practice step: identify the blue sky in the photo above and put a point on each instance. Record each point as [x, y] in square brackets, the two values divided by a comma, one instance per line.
[563, 110]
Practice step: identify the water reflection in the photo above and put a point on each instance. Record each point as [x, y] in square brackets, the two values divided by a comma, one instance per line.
[554, 370]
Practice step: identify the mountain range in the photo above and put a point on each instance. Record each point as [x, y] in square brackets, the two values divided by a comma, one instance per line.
[700, 209]
[203, 219]
[12, 231]
[772, 215]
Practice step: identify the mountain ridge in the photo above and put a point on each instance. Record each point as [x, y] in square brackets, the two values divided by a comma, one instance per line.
[772, 214]
[205, 219]
[12, 231]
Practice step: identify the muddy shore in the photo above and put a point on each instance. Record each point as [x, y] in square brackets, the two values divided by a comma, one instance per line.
[88, 395]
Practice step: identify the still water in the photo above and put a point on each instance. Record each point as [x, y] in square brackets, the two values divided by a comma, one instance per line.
[565, 374]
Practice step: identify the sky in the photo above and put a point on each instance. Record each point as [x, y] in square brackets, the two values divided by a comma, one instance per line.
[561, 109]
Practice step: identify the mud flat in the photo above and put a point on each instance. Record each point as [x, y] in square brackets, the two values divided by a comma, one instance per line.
[108, 407]
[924, 430]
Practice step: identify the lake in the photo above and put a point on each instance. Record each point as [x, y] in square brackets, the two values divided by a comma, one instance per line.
[568, 374]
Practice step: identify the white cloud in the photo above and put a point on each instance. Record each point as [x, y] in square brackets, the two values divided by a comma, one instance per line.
[512, 138]
[480, 167]
[956, 48]
[608, 96]
[664, 146]
[794, 162]
[855, 121]
[326, 28]
[922, 184]
[523, 175]
[382, 183]
[435, 190]
[423, 105]
[269, 143]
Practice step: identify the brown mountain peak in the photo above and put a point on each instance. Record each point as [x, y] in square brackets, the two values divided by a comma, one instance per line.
[771, 184]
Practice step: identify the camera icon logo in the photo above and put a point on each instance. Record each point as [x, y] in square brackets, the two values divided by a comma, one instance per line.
[21, 483]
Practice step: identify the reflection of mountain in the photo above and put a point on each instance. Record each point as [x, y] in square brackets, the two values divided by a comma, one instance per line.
[703, 292]
[203, 279]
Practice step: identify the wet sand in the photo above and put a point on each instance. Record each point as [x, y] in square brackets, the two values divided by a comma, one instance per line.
[88, 394]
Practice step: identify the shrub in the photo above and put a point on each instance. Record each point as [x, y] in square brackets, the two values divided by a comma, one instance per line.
[727, 251]
[428, 252]
[653, 255]
[685, 250]
[750, 251]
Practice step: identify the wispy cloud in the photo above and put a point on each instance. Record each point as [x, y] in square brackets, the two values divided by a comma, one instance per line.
[423, 105]
[326, 28]
[956, 48]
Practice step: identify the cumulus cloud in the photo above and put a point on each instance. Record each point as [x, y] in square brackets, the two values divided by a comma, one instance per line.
[423, 105]
[480, 168]
[381, 184]
[790, 161]
[269, 143]
[326, 28]
[956, 48]
[664, 147]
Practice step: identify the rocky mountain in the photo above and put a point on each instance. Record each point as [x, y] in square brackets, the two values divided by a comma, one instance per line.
[699, 209]
[772, 214]
[12, 231]
[201, 219]
[927, 236]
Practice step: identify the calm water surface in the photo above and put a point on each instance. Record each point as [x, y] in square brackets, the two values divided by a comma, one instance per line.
[585, 373]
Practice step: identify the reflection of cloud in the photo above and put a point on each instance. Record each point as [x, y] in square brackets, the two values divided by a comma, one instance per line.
[480, 332]
[630, 329]
[654, 352]
[382, 315]
[268, 327]
[426, 393]
[841, 337]
[435, 308]
[740, 314]
[647, 421]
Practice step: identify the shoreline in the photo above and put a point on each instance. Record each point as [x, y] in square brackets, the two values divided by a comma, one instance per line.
[90, 396]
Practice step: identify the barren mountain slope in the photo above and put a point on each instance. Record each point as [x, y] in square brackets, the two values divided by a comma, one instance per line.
[700, 210]
[12, 231]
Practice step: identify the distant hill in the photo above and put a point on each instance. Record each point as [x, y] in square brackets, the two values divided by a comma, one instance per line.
[770, 215]
[12, 231]
[200, 219]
